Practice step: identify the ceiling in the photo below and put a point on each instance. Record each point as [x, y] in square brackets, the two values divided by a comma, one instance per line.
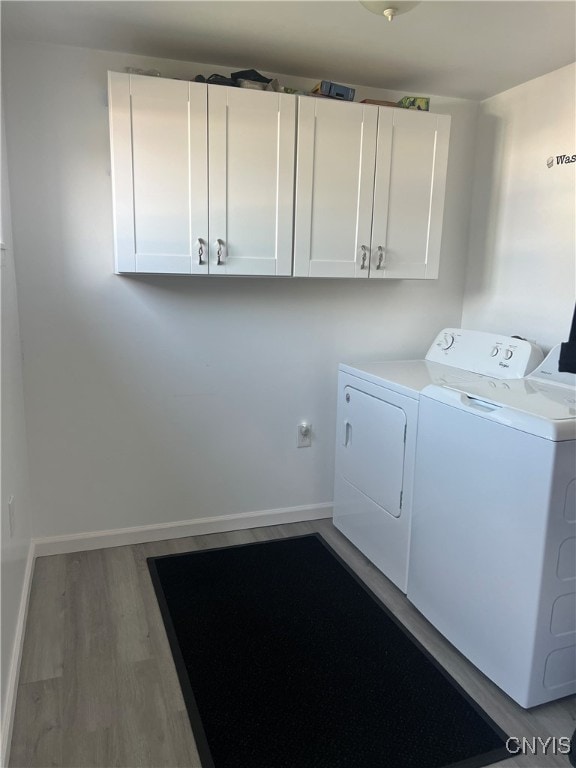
[461, 48]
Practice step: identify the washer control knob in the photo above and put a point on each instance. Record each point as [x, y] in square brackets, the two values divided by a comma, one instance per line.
[447, 341]
[495, 351]
[508, 354]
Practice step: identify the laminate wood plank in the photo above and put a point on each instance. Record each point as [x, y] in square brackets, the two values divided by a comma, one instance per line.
[113, 698]
[43, 650]
[143, 731]
[88, 632]
[157, 634]
[148, 724]
[91, 749]
[128, 610]
[91, 689]
[183, 744]
[37, 733]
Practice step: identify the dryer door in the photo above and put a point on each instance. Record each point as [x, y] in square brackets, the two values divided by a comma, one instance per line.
[373, 435]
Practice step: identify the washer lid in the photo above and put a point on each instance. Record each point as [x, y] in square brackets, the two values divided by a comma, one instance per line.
[533, 406]
[549, 401]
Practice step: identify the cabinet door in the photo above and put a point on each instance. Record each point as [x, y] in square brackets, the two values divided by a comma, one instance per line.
[159, 173]
[251, 181]
[381, 193]
[334, 188]
[409, 195]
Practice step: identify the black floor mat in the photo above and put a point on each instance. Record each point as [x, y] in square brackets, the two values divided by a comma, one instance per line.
[286, 660]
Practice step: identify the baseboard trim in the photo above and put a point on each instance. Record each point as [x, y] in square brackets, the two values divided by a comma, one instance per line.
[16, 658]
[117, 537]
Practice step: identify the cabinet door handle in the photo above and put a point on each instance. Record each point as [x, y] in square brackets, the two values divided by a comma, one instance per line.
[364, 256]
[381, 264]
[219, 252]
[200, 251]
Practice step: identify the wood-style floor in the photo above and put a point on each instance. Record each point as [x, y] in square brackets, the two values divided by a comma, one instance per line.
[98, 687]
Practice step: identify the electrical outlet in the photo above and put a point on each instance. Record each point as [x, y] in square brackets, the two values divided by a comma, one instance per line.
[304, 435]
[11, 513]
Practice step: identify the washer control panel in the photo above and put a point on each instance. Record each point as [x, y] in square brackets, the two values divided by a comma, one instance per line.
[490, 354]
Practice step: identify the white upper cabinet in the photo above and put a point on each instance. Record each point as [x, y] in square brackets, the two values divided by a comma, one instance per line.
[251, 181]
[203, 177]
[334, 188]
[158, 132]
[370, 190]
[410, 186]
[214, 180]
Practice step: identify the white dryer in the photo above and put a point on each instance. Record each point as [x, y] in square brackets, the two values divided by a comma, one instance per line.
[493, 549]
[376, 435]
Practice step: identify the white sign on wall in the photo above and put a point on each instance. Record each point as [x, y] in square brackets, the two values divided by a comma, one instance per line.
[560, 160]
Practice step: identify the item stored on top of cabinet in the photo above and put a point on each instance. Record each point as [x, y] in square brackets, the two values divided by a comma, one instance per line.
[257, 85]
[251, 74]
[149, 72]
[379, 103]
[215, 80]
[370, 188]
[202, 176]
[334, 90]
[247, 78]
[421, 103]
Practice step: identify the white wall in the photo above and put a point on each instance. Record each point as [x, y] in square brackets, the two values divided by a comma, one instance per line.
[157, 399]
[13, 465]
[522, 257]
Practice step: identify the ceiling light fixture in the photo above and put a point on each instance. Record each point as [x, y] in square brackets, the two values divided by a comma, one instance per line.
[388, 8]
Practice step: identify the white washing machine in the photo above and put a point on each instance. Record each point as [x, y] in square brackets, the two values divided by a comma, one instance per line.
[376, 435]
[493, 547]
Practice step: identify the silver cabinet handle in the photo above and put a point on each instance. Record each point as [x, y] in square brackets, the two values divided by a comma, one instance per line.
[219, 259]
[380, 264]
[219, 252]
[364, 256]
[200, 251]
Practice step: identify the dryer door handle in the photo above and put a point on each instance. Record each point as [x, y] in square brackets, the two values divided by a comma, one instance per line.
[347, 433]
